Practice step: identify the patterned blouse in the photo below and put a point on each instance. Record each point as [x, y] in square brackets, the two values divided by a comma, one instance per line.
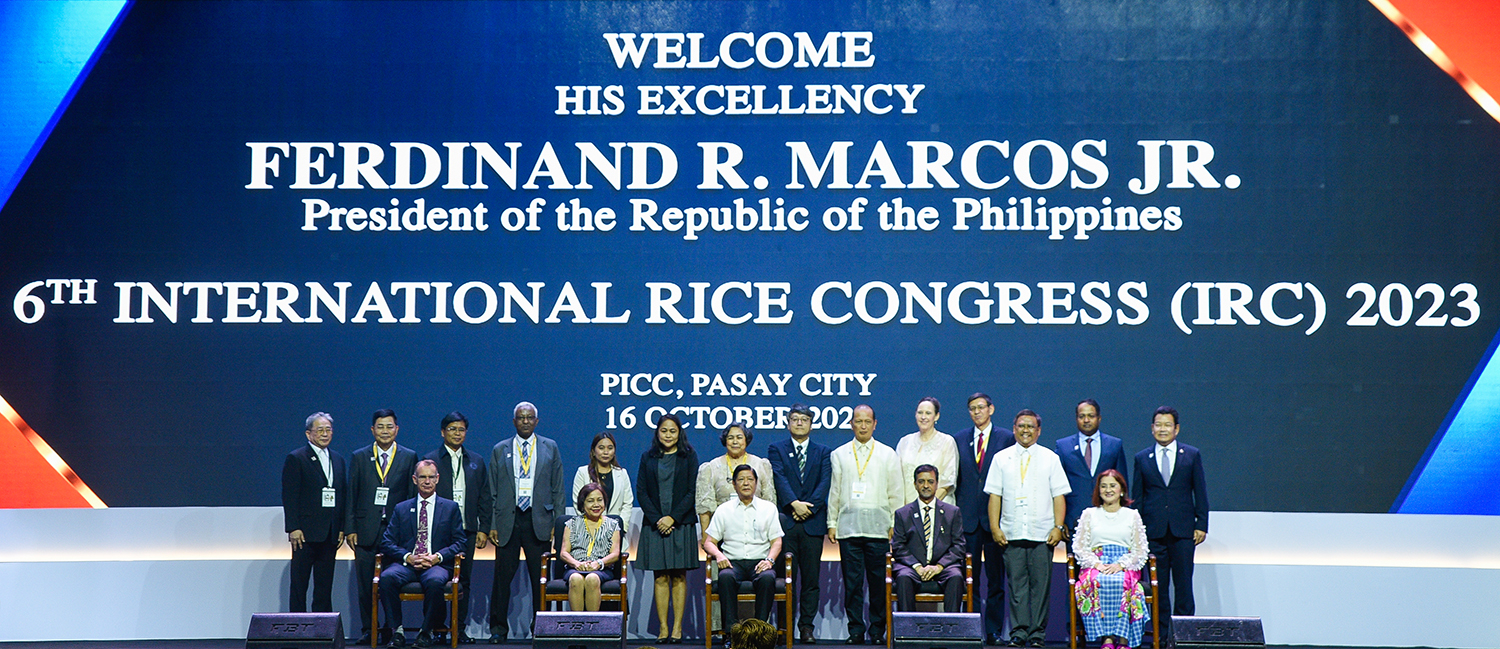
[579, 536]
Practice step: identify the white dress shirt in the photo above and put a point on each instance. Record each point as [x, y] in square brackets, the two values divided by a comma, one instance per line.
[431, 517]
[322, 455]
[1026, 479]
[866, 490]
[460, 490]
[745, 532]
[1171, 451]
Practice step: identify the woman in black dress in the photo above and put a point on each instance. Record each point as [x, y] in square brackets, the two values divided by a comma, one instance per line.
[668, 478]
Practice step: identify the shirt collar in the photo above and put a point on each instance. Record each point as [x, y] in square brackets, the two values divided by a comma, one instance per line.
[984, 432]
[321, 452]
[1171, 449]
[1082, 437]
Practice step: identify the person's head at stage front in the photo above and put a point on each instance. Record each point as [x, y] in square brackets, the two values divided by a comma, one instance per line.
[752, 634]
[928, 410]
[591, 501]
[745, 483]
[799, 421]
[863, 423]
[383, 427]
[669, 436]
[736, 438]
[1110, 489]
[425, 476]
[525, 419]
[455, 429]
[981, 408]
[320, 429]
[1027, 427]
[925, 479]
[1087, 414]
[1164, 425]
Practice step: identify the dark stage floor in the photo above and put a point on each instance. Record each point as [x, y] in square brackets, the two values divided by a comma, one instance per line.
[238, 644]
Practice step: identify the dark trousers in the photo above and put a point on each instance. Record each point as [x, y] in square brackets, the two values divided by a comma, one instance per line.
[314, 560]
[1028, 565]
[465, 571]
[807, 563]
[863, 561]
[989, 562]
[1174, 573]
[728, 589]
[364, 571]
[434, 580]
[507, 560]
[951, 580]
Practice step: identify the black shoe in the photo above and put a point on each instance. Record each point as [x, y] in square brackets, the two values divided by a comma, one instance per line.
[1016, 642]
[424, 639]
[993, 640]
[1036, 642]
[463, 638]
[877, 639]
[807, 636]
[497, 636]
[363, 641]
[855, 639]
[397, 640]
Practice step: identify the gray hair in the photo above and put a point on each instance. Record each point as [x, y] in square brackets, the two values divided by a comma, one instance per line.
[523, 404]
[313, 418]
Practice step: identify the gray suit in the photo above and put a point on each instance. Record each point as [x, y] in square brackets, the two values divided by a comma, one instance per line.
[530, 530]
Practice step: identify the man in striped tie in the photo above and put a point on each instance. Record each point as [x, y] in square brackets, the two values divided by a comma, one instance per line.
[927, 545]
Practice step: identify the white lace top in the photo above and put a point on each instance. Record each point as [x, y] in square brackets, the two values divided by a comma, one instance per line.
[1097, 527]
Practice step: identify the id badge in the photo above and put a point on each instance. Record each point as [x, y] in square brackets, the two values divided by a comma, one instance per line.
[381, 495]
[329, 494]
[523, 487]
[858, 491]
[458, 495]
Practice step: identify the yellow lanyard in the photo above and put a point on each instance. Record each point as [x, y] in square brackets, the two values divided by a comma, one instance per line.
[593, 531]
[381, 470]
[1025, 464]
[526, 460]
[861, 467]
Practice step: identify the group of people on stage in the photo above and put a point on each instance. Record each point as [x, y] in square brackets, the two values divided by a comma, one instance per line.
[990, 494]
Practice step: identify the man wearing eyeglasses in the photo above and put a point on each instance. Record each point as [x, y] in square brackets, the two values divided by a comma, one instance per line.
[379, 477]
[463, 479]
[314, 493]
[424, 536]
[803, 474]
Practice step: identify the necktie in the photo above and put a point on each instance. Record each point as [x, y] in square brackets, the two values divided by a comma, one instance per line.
[1166, 466]
[421, 527]
[385, 461]
[1088, 454]
[979, 452]
[927, 530]
[801, 463]
[524, 502]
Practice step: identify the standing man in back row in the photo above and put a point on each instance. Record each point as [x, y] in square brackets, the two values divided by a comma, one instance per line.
[314, 493]
[1083, 457]
[463, 479]
[527, 494]
[379, 477]
[977, 447]
[862, 501]
[803, 473]
[1172, 496]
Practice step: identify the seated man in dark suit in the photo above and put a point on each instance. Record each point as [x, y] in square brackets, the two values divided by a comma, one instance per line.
[927, 544]
[424, 535]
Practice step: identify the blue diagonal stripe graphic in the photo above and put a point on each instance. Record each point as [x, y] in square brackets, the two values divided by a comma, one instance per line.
[1457, 473]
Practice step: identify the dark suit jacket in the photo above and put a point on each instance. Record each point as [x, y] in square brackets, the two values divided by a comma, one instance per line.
[1111, 455]
[400, 536]
[908, 548]
[302, 483]
[1177, 508]
[969, 491]
[476, 486]
[679, 503]
[548, 495]
[790, 486]
[363, 515]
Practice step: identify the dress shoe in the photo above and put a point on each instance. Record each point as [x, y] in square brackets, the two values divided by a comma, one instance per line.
[463, 638]
[878, 640]
[424, 639]
[855, 639]
[807, 636]
[993, 640]
[1036, 643]
[363, 641]
[1016, 642]
[397, 640]
[498, 637]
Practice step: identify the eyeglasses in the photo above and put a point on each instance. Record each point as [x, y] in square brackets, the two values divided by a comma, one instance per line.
[455, 429]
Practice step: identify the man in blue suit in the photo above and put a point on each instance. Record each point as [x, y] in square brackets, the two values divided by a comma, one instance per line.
[423, 537]
[977, 447]
[1085, 455]
[803, 473]
[1172, 497]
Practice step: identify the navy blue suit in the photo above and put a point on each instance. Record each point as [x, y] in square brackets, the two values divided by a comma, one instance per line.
[1109, 453]
[804, 539]
[400, 539]
[970, 496]
[1171, 511]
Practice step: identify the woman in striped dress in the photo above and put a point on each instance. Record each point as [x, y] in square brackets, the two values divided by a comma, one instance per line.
[591, 544]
